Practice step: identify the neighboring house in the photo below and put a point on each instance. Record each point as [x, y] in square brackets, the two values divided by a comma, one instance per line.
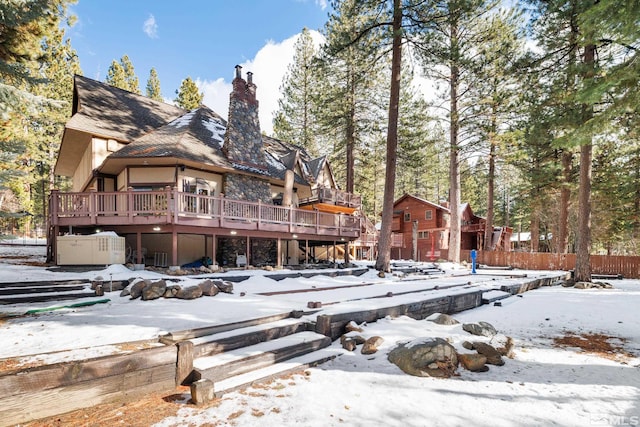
[182, 186]
[421, 230]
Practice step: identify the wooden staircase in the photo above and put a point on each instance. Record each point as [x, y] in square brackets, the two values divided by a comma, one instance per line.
[255, 351]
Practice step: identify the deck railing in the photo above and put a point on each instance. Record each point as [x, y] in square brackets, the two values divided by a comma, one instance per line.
[172, 206]
[334, 196]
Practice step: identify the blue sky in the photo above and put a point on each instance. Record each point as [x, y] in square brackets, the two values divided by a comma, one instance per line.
[202, 39]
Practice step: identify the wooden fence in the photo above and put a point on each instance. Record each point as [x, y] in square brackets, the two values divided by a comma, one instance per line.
[627, 266]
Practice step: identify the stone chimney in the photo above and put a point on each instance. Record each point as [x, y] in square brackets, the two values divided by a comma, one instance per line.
[243, 144]
[243, 139]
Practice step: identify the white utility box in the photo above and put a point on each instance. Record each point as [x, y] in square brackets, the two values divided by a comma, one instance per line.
[94, 249]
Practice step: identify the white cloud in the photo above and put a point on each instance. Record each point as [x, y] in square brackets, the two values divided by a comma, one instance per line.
[269, 67]
[150, 27]
[322, 4]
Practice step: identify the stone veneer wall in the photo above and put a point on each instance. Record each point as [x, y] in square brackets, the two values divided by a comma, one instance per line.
[243, 187]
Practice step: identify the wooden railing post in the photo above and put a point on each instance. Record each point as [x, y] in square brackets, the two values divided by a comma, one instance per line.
[130, 202]
[54, 200]
[259, 213]
[93, 215]
[222, 201]
[168, 193]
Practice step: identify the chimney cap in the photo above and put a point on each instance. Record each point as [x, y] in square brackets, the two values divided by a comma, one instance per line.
[238, 71]
[249, 77]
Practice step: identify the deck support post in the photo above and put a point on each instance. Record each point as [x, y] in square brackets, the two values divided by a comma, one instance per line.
[174, 247]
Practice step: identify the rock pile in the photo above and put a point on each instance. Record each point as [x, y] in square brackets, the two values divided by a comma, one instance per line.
[149, 290]
[436, 356]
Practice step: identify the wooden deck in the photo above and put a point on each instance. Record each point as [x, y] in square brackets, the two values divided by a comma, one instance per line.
[173, 207]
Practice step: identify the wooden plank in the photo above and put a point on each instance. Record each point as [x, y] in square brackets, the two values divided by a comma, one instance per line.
[65, 373]
[261, 360]
[18, 408]
[244, 340]
[210, 330]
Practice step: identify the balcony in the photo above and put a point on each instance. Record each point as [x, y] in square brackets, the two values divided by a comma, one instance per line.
[332, 200]
[187, 209]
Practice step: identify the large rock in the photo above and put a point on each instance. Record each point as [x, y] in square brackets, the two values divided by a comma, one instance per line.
[190, 292]
[493, 356]
[371, 345]
[473, 362]
[209, 288]
[172, 291]
[135, 290]
[224, 286]
[482, 329]
[443, 319]
[430, 358]
[154, 290]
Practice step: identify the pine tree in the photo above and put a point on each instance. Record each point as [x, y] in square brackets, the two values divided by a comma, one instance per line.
[351, 85]
[132, 83]
[189, 96]
[21, 52]
[153, 86]
[452, 34]
[122, 75]
[116, 76]
[294, 120]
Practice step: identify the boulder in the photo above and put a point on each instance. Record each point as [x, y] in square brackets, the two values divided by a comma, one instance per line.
[426, 358]
[172, 291]
[493, 356]
[473, 362]
[583, 285]
[352, 326]
[135, 290]
[98, 280]
[154, 290]
[209, 288]
[190, 292]
[224, 286]
[443, 319]
[347, 343]
[483, 329]
[371, 345]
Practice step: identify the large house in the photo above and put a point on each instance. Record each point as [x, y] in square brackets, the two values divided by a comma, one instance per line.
[421, 230]
[183, 186]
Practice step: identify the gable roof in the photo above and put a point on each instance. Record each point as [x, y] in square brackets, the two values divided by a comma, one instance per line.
[152, 129]
[115, 113]
[421, 200]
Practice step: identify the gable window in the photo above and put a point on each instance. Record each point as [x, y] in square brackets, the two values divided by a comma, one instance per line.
[407, 217]
[428, 215]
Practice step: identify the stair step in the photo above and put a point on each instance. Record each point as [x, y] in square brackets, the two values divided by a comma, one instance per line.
[295, 365]
[29, 298]
[230, 340]
[245, 359]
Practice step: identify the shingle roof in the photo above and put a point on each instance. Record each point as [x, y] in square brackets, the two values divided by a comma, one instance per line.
[112, 112]
[155, 129]
[195, 136]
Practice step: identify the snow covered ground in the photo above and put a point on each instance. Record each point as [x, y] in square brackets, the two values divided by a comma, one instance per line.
[546, 383]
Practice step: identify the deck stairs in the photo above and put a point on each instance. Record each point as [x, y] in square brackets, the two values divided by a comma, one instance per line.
[247, 353]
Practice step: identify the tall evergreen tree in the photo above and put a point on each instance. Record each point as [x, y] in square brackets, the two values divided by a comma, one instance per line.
[189, 97]
[122, 75]
[116, 76]
[294, 120]
[153, 86]
[350, 92]
[23, 30]
[452, 35]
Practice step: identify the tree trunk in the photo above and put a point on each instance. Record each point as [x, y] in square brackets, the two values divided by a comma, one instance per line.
[488, 231]
[583, 241]
[454, 172]
[565, 198]
[351, 138]
[384, 244]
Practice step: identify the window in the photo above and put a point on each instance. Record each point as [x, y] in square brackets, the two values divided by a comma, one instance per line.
[423, 234]
[428, 214]
[407, 217]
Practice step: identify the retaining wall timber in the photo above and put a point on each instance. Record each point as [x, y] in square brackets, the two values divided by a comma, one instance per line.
[332, 325]
[48, 390]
